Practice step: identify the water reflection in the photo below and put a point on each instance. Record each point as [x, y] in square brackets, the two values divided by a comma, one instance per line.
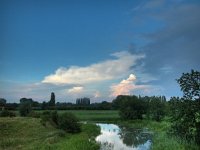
[113, 137]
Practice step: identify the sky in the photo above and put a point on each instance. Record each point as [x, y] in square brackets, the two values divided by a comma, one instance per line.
[96, 49]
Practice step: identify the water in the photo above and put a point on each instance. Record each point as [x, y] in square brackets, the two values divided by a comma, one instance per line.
[114, 137]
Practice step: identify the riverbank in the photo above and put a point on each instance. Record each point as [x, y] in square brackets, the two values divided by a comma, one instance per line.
[161, 140]
[28, 133]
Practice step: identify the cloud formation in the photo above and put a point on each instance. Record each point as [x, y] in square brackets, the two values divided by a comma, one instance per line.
[76, 89]
[106, 70]
[126, 86]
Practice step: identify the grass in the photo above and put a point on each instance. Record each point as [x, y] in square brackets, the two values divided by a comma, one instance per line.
[161, 140]
[28, 134]
[94, 115]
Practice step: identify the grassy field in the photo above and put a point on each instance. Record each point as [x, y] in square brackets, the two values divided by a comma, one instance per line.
[28, 134]
[94, 115]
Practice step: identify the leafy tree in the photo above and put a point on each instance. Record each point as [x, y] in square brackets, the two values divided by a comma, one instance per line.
[190, 84]
[117, 103]
[186, 115]
[157, 108]
[25, 106]
[131, 108]
[44, 105]
[2, 102]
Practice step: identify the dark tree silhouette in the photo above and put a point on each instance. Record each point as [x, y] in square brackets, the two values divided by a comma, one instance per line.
[190, 84]
[52, 100]
[186, 117]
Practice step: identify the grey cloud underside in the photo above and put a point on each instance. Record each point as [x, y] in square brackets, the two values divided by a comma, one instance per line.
[177, 44]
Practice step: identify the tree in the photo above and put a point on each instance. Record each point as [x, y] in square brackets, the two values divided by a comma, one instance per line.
[190, 84]
[157, 108]
[25, 106]
[69, 123]
[186, 116]
[44, 105]
[2, 103]
[131, 107]
[52, 100]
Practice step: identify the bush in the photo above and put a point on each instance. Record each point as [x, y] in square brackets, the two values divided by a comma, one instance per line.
[34, 114]
[6, 113]
[132, 108]
[24, 109]
[51, 117]
[66, 121]
[69, 123]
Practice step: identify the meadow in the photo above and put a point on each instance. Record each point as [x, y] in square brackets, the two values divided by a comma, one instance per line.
[95, 115]
[28, 133]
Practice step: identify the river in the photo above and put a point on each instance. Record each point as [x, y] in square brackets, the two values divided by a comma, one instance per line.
[114, 137]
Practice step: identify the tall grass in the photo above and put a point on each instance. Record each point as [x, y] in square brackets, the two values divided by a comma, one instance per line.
[29, 134]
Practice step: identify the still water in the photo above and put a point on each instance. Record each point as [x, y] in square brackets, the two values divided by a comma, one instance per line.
[114, 137]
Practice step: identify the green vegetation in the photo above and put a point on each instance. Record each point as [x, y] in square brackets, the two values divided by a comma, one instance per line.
[186, 117]
[25, 106]
[7, 113]
[161, 138]
[95, 115]
[28, 133]
[69, 123]
[175, 124]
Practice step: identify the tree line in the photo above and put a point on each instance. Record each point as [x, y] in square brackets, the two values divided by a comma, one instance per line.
[183, 112]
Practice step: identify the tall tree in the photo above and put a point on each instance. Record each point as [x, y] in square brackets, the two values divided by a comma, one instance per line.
[52, 100]
[190, 84]
[186, 119]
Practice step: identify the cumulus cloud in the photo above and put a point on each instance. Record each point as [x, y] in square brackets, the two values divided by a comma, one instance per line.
[76, 89]
[126, 86]
[97, 94]
[106, 70]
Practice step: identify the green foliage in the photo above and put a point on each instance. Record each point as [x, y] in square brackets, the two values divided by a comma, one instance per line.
[69, 123]
[34, 114]
[156, 108]
[49, 117]
[131, 107]
[94, 115]
[2, 102]
[6, 113]
[190, 84]
[65, 121]
[25, 108]
[185, 112]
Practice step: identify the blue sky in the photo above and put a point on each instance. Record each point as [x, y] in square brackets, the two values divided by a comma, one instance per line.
[97, 49]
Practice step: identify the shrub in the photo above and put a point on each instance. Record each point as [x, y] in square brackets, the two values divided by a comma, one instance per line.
[69, 123]
[24, 109]
[51, 117]
[6, 113]
[34, 114]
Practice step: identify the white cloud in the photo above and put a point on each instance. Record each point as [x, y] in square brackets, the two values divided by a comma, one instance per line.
[97, 94]
[106, 70]
[126, 86]
[76, 89]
